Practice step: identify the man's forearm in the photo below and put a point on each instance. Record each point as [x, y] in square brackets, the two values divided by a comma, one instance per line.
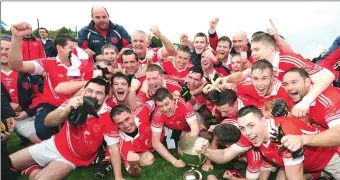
[15, 59]
[69, 87]
[132, 100]
[116, 161]
[219, 156]
[321, 81]
[284, 46]
[159, 147]
[327, 138]
[56, 117]
[167, 45]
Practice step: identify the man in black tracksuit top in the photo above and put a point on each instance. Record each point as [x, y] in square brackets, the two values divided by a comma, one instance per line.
[101, 30]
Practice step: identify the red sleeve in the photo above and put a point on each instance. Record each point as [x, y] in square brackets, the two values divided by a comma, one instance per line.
[157, 121]
[141, 97]
[294, 60]
[213, 39]
[331, 60]
[254, 160]
[189, 110]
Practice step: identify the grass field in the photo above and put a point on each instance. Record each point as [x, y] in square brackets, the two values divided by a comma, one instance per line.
[160, 170]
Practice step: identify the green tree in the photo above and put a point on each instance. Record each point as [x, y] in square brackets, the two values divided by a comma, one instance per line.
[5, 32]
[157, 41]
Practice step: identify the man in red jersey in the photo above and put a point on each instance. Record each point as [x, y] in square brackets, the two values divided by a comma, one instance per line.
[171, 121]
[264, 47]
[135, 137]
[207, 63]
[155, 55]
[263, 86]
[261, 131]
[155, 80]
[73, 145]
[56, 70]
[325, 110]
[179, 68]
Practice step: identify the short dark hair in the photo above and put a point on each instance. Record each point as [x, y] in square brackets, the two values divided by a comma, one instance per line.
[104, 9]
[100, 81]
[120, 75]
[161, 94]
[109, 46]
[200, 34]
[197, 69]
[227, 96]
[225, 38]
[303, 73]
[262, 65]
[117, 110]
[62, 39]
[154, 67]
[183, 48]
[129, 52]
[249, 109]
[44, 29]
[256, 33]
[264, 38]
[227, 133]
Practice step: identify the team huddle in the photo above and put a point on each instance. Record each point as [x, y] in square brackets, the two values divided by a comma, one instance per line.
[115, 98]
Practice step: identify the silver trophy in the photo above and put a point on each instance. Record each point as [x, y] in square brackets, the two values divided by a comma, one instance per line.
[188, 155]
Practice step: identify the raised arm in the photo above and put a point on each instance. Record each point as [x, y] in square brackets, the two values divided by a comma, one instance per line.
[168, 49]
[280, 42]
[15, 59]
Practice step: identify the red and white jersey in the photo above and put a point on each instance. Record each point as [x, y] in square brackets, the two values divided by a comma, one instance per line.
[142, 142]
[80, 144]
[183, 115]
[200, 100]
[171, 70]
[284, 62]
[325, 110]
[10, 81]
[171, 85]
[157, 57]
[314, 159]
[112, 102]
[247, 90]
[56, 72]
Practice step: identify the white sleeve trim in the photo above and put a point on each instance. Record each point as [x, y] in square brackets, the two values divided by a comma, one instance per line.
[155, 129]
[292, 162]
[238, 148]
[110, 140]
[190, 119]
[251, 175]
[38, 69]
[159, 55]
[333, 121]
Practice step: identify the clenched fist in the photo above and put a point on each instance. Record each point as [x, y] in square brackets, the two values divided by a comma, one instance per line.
[133, 157]
[155, 30]
[21, 29]
[213, 22]
[201, 145]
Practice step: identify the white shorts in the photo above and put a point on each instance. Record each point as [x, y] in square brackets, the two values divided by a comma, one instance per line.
[25, 127]
[333, 167]
[45, 152]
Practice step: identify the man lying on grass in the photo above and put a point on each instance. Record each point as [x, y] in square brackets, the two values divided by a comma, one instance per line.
[74, 145]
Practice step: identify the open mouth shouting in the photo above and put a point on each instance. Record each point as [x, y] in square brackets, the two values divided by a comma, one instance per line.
[121, 94]
[295, 95]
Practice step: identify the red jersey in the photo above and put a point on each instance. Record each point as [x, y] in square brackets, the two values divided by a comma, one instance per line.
[314, 159]
[171, 85]
[325, 110]
[284, 62]
[56, 73]
[171, 70]
[247, 90]
[183, 115]
[142, 142]
[10, 81]
[32, 49]
[80, 144]
[200, 100]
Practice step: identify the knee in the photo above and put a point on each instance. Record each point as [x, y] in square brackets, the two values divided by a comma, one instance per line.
[148, 159]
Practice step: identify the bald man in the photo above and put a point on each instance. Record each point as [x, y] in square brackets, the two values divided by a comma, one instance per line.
[101, 30]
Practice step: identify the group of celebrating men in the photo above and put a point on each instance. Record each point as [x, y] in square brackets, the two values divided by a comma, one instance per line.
[257, 101]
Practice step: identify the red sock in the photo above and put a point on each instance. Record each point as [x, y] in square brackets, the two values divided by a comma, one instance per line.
[30, 169]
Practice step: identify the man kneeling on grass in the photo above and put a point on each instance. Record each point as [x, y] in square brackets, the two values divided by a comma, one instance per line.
[175, 119]
[74, 145]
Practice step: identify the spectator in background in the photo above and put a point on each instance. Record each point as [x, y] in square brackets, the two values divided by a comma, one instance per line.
[32, 48]
[101, 30]
[48, 44]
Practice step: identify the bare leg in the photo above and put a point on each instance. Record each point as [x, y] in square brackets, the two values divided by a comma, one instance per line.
[34, 138]
[281, 175]
[146, 158]
[55, 170]
[22, 159]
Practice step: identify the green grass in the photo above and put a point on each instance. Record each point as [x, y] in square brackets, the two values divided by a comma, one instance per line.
[160, 170]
